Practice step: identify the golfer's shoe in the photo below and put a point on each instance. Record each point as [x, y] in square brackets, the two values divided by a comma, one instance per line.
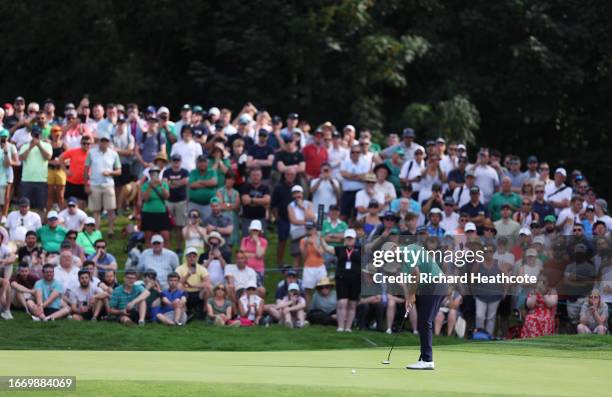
[421, 365]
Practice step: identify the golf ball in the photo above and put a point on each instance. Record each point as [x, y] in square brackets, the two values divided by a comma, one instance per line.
[353, 371]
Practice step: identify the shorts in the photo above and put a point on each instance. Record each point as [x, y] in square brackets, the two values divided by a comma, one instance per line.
[102, 197]
[74, 190]
[87, 315]
[348, 288]
[49, 311]
[125, 177]
[155, 222]
[36, 192]
[56, 177]
[312, 275]
[178, 211]
[283, 226]
[2, 193]
[260, 279]
[133, 315]
[10, 175]
[170, 316]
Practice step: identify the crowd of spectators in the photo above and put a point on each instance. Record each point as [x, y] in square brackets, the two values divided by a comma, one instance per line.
[205, 193]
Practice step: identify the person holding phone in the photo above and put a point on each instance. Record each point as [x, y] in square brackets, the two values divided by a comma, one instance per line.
[35, 156]
[154, 215]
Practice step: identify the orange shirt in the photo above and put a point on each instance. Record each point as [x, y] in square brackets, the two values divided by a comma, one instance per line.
[77, 165]
[313, 257]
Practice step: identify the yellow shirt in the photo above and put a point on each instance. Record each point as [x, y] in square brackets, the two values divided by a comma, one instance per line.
[194, 278]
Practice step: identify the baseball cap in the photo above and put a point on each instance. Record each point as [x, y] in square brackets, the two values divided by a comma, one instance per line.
[121, 119]
[255, 225]
[474, 189]
[590, 207]
[349, 127]
[52, 215]
[297, 188]
[89, 221]
[531, 252]
[603, 204]
[430, 143]
[539, 240]
[150, 272]
[550, 218]
[277, 119]
[176, 157]
[214, 111]
[245, 118]
[440, 140]
[561, 171]
[400, 151]
[334, 207]
[461, 146]
[532, 159]
[350, 233]
[373, 203]
[469, 227]
[251, 285]
[163, 110]
[470, 173]
[157, 238]
[72, 201]
[436, 187]
[8, 105]
[293, 115]
[215, 200]
[104, 137]
[408, 133]
[151, 109]
[19, 99]
[505, 205]
[4, 133]
[293, 287]
[310, 225]
[262, 132]
[525, 231]
[198, 109]
[186, 107]
[24, 201]
[191, 250]
[449, 200]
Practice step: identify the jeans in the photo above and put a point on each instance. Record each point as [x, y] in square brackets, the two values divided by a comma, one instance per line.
[486, 313]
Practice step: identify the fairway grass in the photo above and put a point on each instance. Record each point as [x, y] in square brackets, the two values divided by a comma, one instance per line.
[476, 370]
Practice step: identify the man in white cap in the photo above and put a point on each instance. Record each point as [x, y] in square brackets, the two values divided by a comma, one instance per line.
[160, 259]
[167, 127]
[52, 234]
[558, 194]
[72, 217]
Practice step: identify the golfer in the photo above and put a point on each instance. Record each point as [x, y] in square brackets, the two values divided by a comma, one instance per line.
[427, 298]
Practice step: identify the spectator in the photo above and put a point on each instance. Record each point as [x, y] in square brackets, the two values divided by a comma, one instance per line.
[557, 193]
[128, 301]
[348, 280]
[601, 213]
[255, 199]
[337, 154]
[9, 158]
[239, 276]
[52, 234]
[173, 303]
[593, 315]
[75, 171]
[364, 197]
[30, 248]
[194, 234]
[238, 159]
[229, 199]
[353, 171]
[486, 176]
[410, 204]
[383, 186]
[570, 216]
[487, 296]
[195, 282]
[219, 308]
[85, 298]
[434, 228]
[371, 221]
[541, 305]
[450, 219]
[56, 177]
[88, 236]
[160, 259]
[313, 248]
[540, 206]
[104, 261]
[315, 155]
[187, 149]
[46, 303]
[407, 144]
[213, 260]
[101, 165]
[300, 212]
[218, 163]
[123, 143]
[35, 156]
[394, 165]
[75, 130]
[506, 226]
[149, 143]
[251, 307]
[202, 187]
[514, 174]
[166, 128]
[322, 309]
[72, 217]
[281, 199]
[333, 227]
[411, 171]
[261, 155]
[66, 271]
[254, 246]
[431, 176]
[108, 125]
[221, 224]
[292, 308]
[503, 197]
[155, 215]
[448, 313]
[525, 216]
[325, 189]
[22, 290]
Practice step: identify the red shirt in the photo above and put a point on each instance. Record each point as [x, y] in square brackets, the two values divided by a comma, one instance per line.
[77, 165]
[314, 156]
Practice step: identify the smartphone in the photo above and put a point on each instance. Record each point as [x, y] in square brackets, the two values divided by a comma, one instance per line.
[82, 118]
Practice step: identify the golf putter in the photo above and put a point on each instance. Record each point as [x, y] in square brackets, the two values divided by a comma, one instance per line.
[387, 361]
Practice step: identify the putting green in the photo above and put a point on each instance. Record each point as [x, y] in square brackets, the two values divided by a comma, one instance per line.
[307, 372]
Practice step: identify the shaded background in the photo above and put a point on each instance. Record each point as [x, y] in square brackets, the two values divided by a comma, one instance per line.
[522, 76]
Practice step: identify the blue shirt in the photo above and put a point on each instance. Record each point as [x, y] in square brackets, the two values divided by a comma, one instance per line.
[47, 288]
[107, 259]
[415, 207]
[171, 296]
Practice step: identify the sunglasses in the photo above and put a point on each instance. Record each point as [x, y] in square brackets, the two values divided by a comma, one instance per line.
[594, 296]
[355, 152]
[85, 143]
[539, 191]
[100, 246]
[577, 230]
[156, 243]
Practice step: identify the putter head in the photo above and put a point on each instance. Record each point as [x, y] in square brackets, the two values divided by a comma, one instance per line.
[386, 362]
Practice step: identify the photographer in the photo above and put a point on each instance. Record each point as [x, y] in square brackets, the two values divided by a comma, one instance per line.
[35, 156]
[154, 215]
[213, 260]
[102, 259]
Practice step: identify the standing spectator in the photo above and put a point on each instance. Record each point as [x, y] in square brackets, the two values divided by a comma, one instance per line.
[382, 173]
[487, 178]
[52, 234]
[148, 144]
[281, 199]
[261, 155]
[525, 216]
[238, 161]
[408, 144]
[75, 130]
[160, 259]
[202, 187]
[218, 163]
[557, 193]
[487, 296]
[348, 280]
[184, 121]
[474, 208]
[123, 143]
[300, 212]
[255, 198]
[333, 227]
[107, 125]
[367, 195]
[540, 206]
[21, 221]
[177, 178]
[75, 173]
[166, 128]
[394, 164]
[315, 155]
[195, 281]
[593, 315]
[254, 246]
[154, 214]
[128, 301]
[230, 205]
[337, 154]
[35, 156]
[450, 219]
[88, 236]
[353, 171]
[56, 177]
[9, 158]
[222, 224]
[503, 197]
[173, 310]
[289, 157]
[193, 233]
[101, 165]
[412, 170]
[187, 149]
[570, 216]
[312, 248]
[47, 300]
[514, 174]
[72, 217]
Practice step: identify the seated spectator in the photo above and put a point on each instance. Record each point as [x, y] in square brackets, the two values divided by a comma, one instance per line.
[46, 303]
[128, 301]
[593, 315]
[382, 173]
[109, 282]
[31, 247]
[72, 217]
[434, 228]
[541, 306]
[160, 259]
[578, 279]
[322, 309]
[282, 197]
[173, 310]
[220, 309]
[239, 276]
[85, 298]
[21, 221]
[254, 246]
[66, 271]
[71, 240]
[103, 260]
[193, 233]
[221, 224]
[448, 313]
[300, 212]
[409, 204]
[195, 281]
[22, 286]
[251, 307]
[505, 226]
[88, 236]
[292, 308]
[52, 234]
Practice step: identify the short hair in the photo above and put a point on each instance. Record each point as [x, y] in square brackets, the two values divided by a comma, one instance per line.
[100, 240]
[47, 266]
[111, 105]
[89, 262]
[173, 275]
[131, 105]
[31, 233]
[23, 264]
[82, 272]
[130, 273]
[230, 175]
[254, 169]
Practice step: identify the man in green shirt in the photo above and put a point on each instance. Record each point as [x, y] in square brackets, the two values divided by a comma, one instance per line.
[202, 187]
[128, 301]
[503, 197]
[333, 227]
[35, 156]
[52, 234]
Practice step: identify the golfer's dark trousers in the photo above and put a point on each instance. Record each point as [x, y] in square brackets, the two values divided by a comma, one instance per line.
[427, 307]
